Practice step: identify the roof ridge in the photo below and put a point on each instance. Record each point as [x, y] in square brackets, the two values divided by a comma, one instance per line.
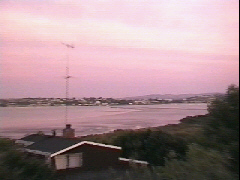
[85, 142]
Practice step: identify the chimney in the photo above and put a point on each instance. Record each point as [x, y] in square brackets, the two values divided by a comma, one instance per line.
[54, 133]
[68, 132]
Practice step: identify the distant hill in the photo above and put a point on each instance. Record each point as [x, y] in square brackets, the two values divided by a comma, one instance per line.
[171, 96]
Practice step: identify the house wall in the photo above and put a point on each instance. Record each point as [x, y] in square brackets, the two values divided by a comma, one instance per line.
[95, 157]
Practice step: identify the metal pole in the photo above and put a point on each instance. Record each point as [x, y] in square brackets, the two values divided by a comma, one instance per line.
[67, 77]
[67, 89]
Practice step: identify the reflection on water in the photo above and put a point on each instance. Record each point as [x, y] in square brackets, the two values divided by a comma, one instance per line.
[19, 121]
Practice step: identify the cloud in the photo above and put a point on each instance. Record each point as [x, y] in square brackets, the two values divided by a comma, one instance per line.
[194, 27]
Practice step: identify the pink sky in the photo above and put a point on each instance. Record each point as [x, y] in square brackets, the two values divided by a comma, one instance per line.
[123, 47]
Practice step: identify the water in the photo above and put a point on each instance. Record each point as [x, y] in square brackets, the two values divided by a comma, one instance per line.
[16, 122]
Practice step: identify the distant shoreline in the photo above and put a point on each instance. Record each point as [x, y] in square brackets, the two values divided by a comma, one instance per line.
[112, 106]
[144, 100]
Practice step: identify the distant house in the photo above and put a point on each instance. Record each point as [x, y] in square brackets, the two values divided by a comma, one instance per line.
[63, 153]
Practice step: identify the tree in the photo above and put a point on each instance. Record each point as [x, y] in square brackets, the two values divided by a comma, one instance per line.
[217, 156]
[15, 166]
[225, 111]
[201, 164]
[223, 129]
[151, 146]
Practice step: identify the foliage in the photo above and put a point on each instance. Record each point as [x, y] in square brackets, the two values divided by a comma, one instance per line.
[217, 155]
[225, 117]
[113, 174]
[223, 129]
[5, 145]
[137, 174]
[201, 164]
[15, 166]
[151, 146]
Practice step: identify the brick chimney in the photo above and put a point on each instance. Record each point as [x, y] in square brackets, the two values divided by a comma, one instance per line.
[68, 132]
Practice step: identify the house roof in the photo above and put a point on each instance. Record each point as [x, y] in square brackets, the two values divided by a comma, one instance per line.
[34, 138]
[54, 145]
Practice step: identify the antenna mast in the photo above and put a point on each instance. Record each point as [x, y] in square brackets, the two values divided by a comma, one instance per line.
[67, 77]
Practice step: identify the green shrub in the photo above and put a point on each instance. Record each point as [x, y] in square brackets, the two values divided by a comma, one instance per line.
[151, 146]
[201, 164]
[15, 166]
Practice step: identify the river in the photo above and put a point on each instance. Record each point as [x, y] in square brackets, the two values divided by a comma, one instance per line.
[16, 122]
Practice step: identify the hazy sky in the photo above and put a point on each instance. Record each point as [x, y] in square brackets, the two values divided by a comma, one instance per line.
[123, 47]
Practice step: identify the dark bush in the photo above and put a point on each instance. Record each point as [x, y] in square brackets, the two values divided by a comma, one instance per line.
[151, 146]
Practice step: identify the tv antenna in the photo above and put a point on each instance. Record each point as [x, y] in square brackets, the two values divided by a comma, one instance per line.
[67, 77]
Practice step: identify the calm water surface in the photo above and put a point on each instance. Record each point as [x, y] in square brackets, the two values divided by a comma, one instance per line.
[15, 122]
